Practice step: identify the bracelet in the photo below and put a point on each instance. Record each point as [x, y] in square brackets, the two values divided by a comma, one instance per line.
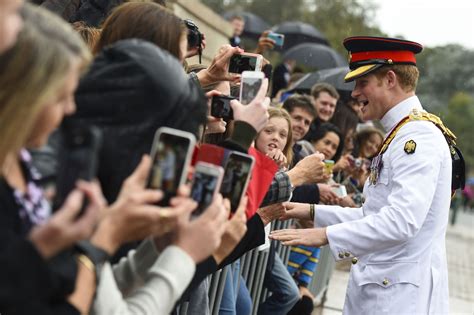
[311, 211]
[87, 262]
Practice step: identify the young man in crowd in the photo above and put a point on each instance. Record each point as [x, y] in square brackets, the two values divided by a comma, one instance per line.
[325, 98]
[302, 114]
[238, 24]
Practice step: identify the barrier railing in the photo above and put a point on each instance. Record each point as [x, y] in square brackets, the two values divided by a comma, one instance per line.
[253, 267]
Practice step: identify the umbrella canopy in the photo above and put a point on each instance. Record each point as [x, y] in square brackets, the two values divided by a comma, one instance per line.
[254, 25]
[333, 76]
[315, 56]
[299, 32]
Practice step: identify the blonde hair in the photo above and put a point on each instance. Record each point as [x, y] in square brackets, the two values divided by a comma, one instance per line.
[407, 75]
[33, 71]
[275, 112]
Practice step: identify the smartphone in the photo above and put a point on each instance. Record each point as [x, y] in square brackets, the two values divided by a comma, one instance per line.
[171, 154]
[78, 158]
[250, 84]
[238, 169]
[220, 107]
[245, 62]
[340, 190]
[278, 38]
[207, 181]
[328, 166]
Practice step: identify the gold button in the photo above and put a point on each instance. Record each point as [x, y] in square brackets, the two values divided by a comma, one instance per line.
[354, 260]
[347, 254]
[341, 255]
[385, 281]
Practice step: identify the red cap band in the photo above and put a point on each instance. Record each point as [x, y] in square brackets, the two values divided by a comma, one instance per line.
[395, 55]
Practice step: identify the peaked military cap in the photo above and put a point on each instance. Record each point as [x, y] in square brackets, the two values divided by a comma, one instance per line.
[367, 53]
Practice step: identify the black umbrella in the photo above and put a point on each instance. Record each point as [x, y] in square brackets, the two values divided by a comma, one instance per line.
[333, 76]
[315, 56]
[254, 25]
[299, 32]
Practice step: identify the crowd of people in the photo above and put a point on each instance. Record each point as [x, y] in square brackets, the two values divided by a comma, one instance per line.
[113, 246]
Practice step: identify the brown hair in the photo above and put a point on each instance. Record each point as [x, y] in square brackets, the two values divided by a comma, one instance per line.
[145, 20]
[300, 101]
[324, 87]
[90, 35]
[363, 135]
[407, 75]
[282, 113]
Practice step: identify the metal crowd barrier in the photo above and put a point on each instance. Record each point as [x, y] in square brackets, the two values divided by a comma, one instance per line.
[253, 267]
[319, 284]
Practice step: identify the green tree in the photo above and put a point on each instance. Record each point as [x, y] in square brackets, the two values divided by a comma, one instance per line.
[459, 117]
[336, 19]
[444, 71]
[339, 19]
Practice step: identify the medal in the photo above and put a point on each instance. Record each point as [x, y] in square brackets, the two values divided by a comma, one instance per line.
[375, 169]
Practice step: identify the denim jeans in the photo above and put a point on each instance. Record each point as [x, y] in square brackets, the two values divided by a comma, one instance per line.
[236, 297]
[285, 293]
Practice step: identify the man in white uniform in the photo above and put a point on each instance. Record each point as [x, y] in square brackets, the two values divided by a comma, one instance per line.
[396, 240]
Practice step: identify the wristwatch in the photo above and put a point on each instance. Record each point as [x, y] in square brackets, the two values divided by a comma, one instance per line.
[96, 255]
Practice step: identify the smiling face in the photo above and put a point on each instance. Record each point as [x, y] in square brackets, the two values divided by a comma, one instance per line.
[371, 146]
[373, 93]
[300, 123]
[273, 136]
[325, 106]
[328, 145]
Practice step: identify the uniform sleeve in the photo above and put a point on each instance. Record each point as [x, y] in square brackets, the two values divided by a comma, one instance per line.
[413, 184]
[330, 215]
[164, 282]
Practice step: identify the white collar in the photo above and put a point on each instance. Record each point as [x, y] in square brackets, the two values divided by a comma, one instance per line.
[399, 111]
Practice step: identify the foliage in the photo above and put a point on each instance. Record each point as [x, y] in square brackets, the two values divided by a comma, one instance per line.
[336, 19]
[444, 71]
[459, 117]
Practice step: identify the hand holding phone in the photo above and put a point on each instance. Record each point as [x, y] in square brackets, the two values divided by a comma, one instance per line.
[279, 39]
[207, 180]
[171, 154]
[78, 158]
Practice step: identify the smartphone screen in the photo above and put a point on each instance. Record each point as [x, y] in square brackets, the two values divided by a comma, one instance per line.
[249, 88]
[78, 158]
[241, 63]
[206, 181]
[220, 107]
[170, 156]
[236, 176]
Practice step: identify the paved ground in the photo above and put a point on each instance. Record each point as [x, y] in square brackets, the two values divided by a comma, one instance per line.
[460, 251]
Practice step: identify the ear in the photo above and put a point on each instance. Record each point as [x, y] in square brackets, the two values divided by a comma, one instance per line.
[391, 79]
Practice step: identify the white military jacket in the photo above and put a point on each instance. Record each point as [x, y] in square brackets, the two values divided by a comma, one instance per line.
[396, 241]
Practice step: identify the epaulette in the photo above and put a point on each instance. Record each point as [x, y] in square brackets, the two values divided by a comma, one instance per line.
[416, 114]
[459, 169]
